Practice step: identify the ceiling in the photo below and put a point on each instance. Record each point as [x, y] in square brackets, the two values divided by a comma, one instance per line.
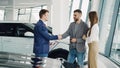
[22, 3]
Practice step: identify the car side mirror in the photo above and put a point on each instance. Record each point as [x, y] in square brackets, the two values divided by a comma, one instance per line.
[28, 34]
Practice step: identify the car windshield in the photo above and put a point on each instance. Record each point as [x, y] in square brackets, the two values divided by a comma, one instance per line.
[30, 25]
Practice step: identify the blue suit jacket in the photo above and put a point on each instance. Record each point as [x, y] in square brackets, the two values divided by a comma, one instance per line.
[41, 38]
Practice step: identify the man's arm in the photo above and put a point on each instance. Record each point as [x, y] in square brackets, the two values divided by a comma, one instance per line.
[67, 33]
[84, 35]
[86, 29]
[45, 34]
[85, 32]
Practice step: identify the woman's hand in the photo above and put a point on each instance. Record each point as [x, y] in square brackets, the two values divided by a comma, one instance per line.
[84, 37]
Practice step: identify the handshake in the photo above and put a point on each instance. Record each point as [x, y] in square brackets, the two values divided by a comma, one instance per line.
[73, 40]
[59, 37]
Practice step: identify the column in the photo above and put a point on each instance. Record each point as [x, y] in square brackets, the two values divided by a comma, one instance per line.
[9, 11]
[60, 16]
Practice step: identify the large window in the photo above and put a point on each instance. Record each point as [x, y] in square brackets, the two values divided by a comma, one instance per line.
[30, 14]
[115, 51]
[24, 14]
[84, 9]
[75, 5]
[79, 4]
[105, 22]
[35, 14]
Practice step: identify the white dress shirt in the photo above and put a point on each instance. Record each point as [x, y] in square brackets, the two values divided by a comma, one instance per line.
[94, 36]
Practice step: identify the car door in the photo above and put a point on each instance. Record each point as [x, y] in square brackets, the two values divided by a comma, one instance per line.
[0, 37]
[17, 42]
[0, 43]
[26, 41]
[2, 34]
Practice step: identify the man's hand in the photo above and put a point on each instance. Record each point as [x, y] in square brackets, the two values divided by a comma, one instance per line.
[73, 40]
[59, 37]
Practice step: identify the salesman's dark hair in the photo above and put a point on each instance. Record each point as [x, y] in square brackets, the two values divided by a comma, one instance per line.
[42, 12]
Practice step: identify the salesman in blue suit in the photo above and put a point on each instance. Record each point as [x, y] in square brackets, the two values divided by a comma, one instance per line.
[41, 37]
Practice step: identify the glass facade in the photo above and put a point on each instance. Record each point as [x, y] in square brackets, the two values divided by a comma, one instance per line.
[115, 51]
[75, 5]
[30, 15]
[105, 22]
[84, 9]
[35, 14]
[24, 14]
[79, 4]
[110, 29]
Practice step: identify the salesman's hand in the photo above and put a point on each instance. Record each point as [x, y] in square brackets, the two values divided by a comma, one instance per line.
[73, 40]
[59, 37]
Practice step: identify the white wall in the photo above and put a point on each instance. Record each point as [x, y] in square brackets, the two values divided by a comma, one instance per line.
[60, 16]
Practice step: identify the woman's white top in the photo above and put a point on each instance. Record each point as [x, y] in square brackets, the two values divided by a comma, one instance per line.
[94, 36]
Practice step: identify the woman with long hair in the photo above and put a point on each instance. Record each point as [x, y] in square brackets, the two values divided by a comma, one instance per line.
[93, 39]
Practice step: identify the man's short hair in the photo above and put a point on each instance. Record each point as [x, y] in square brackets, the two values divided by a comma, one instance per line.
[78, 10]
[42, 12]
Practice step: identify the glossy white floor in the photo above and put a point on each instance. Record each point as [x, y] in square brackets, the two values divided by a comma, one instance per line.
[103, 62]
